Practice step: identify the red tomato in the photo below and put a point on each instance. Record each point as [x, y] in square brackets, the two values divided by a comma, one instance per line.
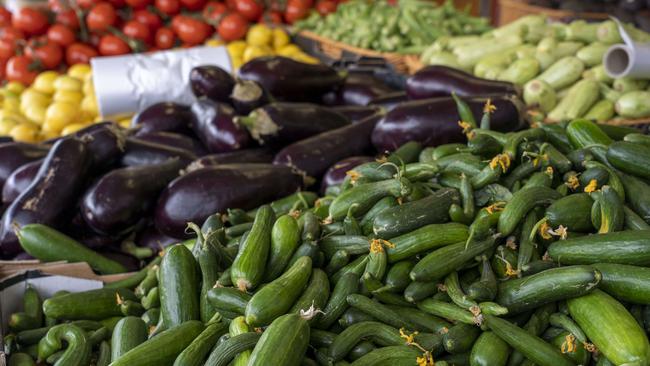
[325, 7]
[232, 4]
[191, 31]
[117, 3]
[232, 27]
[193, 5]
[214, 11]
[93, 40]
[148, 18]
[250, 9]
[3, 67]
[12, 34]
[86, 4]
[7, 48]
[111, 45]
[100, 17]
[68, 18]
[139, 4]
[169, 7]
[22, 69]
[296, 10]
[137, 30]
[165, 38]
[30, 21]
[5, 17]
[272, 17]
[79, 53]
[60, 34]
[49, 54]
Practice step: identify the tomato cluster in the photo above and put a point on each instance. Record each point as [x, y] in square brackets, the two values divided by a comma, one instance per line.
[72, 32]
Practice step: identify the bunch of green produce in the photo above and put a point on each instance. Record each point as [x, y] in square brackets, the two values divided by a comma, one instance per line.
[523, 248]
[558, 65]
[406, 27]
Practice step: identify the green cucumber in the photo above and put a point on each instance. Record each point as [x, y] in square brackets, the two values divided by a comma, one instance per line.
[366, 195]
[443, 261]
[423, 322]
[530, 292]
[622, 247]
[583, 134]
[337, 304]
[625, 282]
[578, 355]
[447, 311]
[20, 359]
[521, 202]
[607, 211]
[634, 221]
[611, 328]
[229, 300]
[489, 350]
[361, 350]
[238, 326]
[639, 201]
[420, 290]
[285, 238]
[456, 293]
[276, 298]
[630, 158]
[366, 222]
[49, 245]
[129, 333]
[339, 259]
[446, 149]
[316, 293]
[247, 270]
[311, 226]
[484, 289]
[163, 348]
[284, 342]
[378, 311]
[151, 317]
[357, 267]
[77, 352]
[152, 299]
[397, 277]
[353, 244]
[88, 305]
[207, 260]
[389, 356]
[104, 354]
[353, 316]
[149, 281]
[380, 334]
[460, 338]
[224, 352]
[572, 212]
[425, 239]
[179, 287]
[197, 351]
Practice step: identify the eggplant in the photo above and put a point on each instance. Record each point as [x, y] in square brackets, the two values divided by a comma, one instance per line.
[120, 198]
[166, 116]
[214, 124]
[51, 195]
[391, 100]
[358, 89]
[175, 140]
[16, 154]
[150, 237]
[19, 180]
[315, 155]
[105, 142]
[5, 139]
[248, 95]
[632, 5]
[290, 80]
[337, 172]
[23, 257]
[437, 81]
[140, 152]
[198, 194]
[279, 124]
[211, 82]
[256, 155]
[356, 113]
[434, 122]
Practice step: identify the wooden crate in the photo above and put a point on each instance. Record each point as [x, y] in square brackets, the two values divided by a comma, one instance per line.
[509, 10]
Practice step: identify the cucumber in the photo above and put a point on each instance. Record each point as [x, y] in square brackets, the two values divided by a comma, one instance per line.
[579, 355]
[489, 350]
[405, 218]
[630, 158]
[486, 288]
[229, 300]
[353, 316]
[276, 298]
[316, 293]
[353, 244]
[389, 356]
[572, 212]
[311, 227]
[607, 210]
[361, 350]
[225, 351]
[163, 348]
[420, 290]
[49, 245]
[20, 359]
[238, 326]
[563, 72]
[380, 334]
[622, 247]
[522, 202]
[197, 351]
[443, 261]
[289, 333]
[339, 259]
[337, 304]
[583, 134]
[248, 268]
[634, 221]
[611, 328]
[366, 195]
[378, 311]
[207, 259]
[639, 202]
[179, 287]
[397, 277]
[77, 352]
[460, 338]
[423, 322]
[447, 311]
[366, 222]
[87, 305]
[424, 239]
[129, 333]
[624, 282]
[530, 292]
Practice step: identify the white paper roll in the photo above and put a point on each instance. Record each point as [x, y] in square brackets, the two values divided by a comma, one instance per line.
[129, 83]
[631, 59]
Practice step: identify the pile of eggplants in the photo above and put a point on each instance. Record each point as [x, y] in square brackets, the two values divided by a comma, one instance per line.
[280, 126]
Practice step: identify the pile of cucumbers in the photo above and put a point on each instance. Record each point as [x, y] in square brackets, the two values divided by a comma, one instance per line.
[522, 248]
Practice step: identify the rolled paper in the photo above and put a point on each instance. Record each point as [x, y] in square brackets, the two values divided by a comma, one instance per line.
[631, 59]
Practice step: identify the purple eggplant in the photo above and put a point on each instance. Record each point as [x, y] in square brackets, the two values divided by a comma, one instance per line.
[51, 195]
[5, 139]
[19, 181]
[391, 100]
[279, 124]
[211, 82]
[196, 195]
[214, 123]
[23, 257]
[248, 95]
[337, 172]
[316, 154]
[356, 113]
[245, 156]
[120, 198]
[175, 140]
[167, 116]
[291, 80]
[16, 154]
[150, 237]
[437, 81]
[105, 142]
[140, 152]
[358, 89]
[434, 121]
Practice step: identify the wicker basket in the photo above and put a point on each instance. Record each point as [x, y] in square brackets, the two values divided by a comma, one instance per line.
[509, 10]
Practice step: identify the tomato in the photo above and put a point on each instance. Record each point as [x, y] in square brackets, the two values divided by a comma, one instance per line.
[111, 45]
[49, 54]
[30, 21]
[7, 49]
[100, 17]
[232, 4]
[5, 17]
[251, 9]
[138, 4]
[117, 3]
[169, 7]
[214, 11]
[86, 4]
[193, 5]
[165, 38]
[325, 7]
[272, 17]
[11, 34]
[191, 31]
[60, 34]
[137, 30]
[79, 53]
[68, 18]
[21, 69]
[148, 18]
[232, 27]
[296, 10]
